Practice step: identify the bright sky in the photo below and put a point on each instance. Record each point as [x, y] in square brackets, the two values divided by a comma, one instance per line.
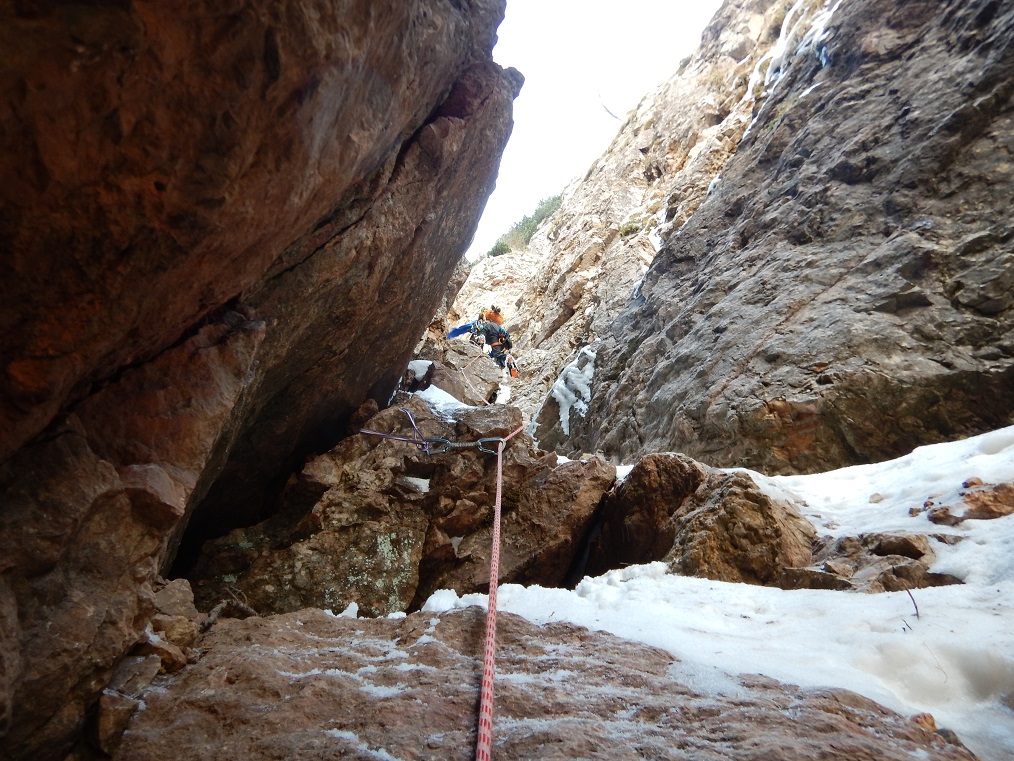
[579, 58]
[954, 660]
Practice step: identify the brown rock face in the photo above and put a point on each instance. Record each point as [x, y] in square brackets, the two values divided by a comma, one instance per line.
[741, 534]
[701, 521]
[223, 228]
[293, 688]
[378, 523]
[87, 513]
[637, 518]
[844, 293]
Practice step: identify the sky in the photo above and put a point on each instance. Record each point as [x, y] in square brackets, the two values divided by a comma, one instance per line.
[954, 659]
[581, 60]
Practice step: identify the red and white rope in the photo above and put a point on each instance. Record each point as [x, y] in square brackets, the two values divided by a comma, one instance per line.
[485, 742]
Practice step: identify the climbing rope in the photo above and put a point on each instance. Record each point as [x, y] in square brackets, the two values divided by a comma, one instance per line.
[465, 377]
[436, 445]
[485, 741]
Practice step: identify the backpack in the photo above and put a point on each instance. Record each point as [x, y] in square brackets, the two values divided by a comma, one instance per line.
[476, 332]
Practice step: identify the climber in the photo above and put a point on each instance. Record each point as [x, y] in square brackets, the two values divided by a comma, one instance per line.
[488, 329]
[493, 313]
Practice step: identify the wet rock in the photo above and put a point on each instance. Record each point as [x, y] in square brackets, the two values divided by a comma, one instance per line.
[409, 688]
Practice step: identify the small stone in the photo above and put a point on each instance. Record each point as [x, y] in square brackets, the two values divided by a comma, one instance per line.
[926, 721]
[972, 482]
[111, 719]
[876, 498]
[173, 659]
[844, 570]
[176, 598]
[134, 673]
[942, 516]
[179, 630]
[950, 736]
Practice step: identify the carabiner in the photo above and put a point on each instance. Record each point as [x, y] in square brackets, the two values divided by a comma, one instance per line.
[479, 444]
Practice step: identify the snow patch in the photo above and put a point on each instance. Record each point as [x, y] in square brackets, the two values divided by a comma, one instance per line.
[773, 64]
[420, 367]
[420, 484]
[351, 611]
[443, 404]
[503, 394]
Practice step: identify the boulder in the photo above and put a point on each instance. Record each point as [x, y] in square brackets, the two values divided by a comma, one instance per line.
[702, 521]
[739, 533]
[379, 523]
[225, 226]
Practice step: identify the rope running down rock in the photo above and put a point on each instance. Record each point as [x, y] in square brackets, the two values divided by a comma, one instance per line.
[435, 445]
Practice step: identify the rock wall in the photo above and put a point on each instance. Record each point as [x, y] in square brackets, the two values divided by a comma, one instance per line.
[224, 226]
[844, 293]
[584, 263]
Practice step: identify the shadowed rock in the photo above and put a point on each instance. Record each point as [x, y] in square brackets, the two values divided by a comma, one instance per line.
[223, 229]
[703, 522]
[379, 523]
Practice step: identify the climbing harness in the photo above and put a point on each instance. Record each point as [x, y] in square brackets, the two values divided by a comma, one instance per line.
[437, 445]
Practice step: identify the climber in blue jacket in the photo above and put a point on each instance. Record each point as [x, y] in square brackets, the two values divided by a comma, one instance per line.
[489, 330]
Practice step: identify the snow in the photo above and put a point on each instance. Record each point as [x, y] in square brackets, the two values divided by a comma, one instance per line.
[420, 484]
[443, 404]
[351, 611]
[420, 367]
[503, 394]
[953, 659]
